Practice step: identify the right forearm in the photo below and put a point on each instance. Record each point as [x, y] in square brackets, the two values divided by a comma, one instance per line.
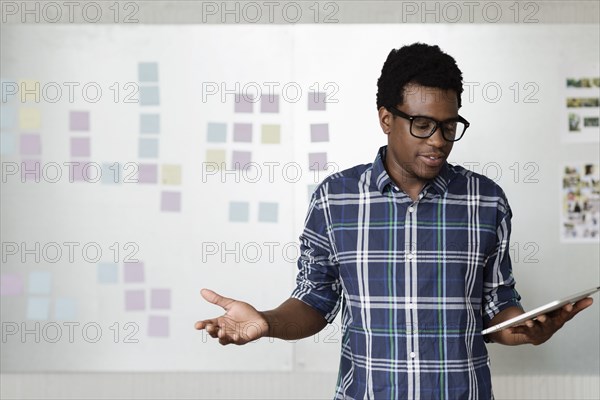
[293, 320]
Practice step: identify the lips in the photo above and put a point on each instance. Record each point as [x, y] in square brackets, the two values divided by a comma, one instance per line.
[432, 159]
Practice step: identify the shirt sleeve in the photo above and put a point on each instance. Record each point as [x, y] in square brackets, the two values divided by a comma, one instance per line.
[317, 282]
[499, 290]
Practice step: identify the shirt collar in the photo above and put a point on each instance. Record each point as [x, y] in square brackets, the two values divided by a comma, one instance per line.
[381, 179]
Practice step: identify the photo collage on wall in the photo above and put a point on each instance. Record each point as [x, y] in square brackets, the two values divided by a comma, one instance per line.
[580, 203]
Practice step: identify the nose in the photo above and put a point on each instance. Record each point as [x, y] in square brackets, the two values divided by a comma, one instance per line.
[437, 139]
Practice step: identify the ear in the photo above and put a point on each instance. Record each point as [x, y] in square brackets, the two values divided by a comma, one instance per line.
[385, 120]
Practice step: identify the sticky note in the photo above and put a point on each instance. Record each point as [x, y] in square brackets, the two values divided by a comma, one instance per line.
[149, 95]
[111, 173]
[65, 309]
[30, 170]
[311, 189]
[239, 211]
[133, 272]
[148, 72]
[147, 173]
[270, 134]
[40, 282]
[242, 132]
[29, 90]
[148, 148]
[80, 147]
[11, 284]
[8, 143]
[79, 120]
[38, 308]
[216, 156]
[29, 119]
[267, 212]
[241, 159]
[170, 201]
[269, 103]
[171, 174]
[316, 101]
[30, 144]
[160, 299]
[86, 171]
[317, 161]
[107, 272]
[7, 117]
[149, 123]
[216, 132]
[158, 326]
[319, 132]
[244, 103]
[135, 300]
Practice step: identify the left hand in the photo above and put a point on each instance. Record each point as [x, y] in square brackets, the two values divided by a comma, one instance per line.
[542, 328]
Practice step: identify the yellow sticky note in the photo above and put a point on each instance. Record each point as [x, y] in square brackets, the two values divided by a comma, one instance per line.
[271, 134]
[171, 174]
[29, 90]
[215, 156]
[29, 119]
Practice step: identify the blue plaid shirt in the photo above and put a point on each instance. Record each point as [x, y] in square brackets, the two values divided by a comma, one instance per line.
[416, 280]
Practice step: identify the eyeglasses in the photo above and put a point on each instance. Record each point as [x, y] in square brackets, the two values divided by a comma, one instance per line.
[421, 127]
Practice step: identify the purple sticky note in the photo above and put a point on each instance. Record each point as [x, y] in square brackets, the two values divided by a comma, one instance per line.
[11, 285]
[135, 300]
[160, 299]
[317, 161]
[170, 201]
[158, 326]
[241, 159]
[80, 147]
[269, 104]
[30, 170]
[86, 171]
[147, 173]
[319, 133]
[30, 144]
[243, 103]
[79, 120]
[316, 101]
[133, 272]
[242, 132]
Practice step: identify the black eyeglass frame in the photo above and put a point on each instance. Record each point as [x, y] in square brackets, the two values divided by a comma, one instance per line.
[438, 124]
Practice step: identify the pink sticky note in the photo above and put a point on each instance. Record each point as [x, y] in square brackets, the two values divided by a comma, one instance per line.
[80, 147]
[243, 103]
[79, 120]
[30, 144]
[158, 326]
[241, 159]
[319, 133]
[170, 201]
[147, 173]
[316, 101]
[160, 299]
[11, 285]
[135, 300]
[133, 272]
[269, 104]
[242, 132]
[30, 170]
[317, 161]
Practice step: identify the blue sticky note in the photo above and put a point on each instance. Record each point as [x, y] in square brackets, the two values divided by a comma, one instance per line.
[216, 132]
[8, 143]
[149, 123]
[149, 95]
[148, 72]
[311, 189]
[108, 272]
[148, 148]
[40, 282]
[239, 211]
[65, 309]
[38, 308]
[7, 116]
[111, 173]
[267, 212]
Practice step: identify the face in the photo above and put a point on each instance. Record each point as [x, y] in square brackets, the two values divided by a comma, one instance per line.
[411, 161]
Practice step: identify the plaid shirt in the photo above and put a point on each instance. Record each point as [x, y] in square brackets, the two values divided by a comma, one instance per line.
[416, 280]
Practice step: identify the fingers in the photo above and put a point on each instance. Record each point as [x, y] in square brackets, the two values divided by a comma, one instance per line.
[215, 298]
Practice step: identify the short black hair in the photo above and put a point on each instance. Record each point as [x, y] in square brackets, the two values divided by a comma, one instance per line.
[417, 63]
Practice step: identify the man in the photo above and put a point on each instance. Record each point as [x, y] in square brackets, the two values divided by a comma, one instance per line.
[414, 251]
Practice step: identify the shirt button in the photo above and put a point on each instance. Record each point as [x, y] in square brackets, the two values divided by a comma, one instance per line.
[410, 255]
[411, 209]
[412, 354]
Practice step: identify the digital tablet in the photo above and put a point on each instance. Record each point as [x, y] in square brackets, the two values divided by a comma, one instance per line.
[540, 310]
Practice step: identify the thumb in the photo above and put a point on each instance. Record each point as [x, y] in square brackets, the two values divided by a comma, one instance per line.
[215, 298]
